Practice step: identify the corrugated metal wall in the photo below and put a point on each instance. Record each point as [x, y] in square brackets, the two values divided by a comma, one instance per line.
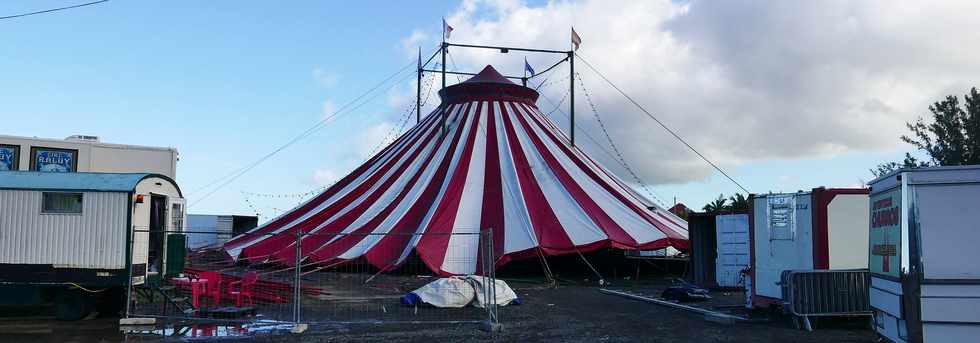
[94, 239]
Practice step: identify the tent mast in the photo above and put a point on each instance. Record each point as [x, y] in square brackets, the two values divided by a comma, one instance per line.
[418, 90]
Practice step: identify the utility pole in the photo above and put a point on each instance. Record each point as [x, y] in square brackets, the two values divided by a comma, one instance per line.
[571, 96]
[418, 91]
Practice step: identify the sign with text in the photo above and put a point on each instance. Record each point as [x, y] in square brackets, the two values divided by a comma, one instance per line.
[54, 160]
[886, 233]
[8, 157]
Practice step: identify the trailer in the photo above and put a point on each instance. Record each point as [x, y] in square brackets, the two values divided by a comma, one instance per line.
[823, 229]
[925, 279]
[80, 241]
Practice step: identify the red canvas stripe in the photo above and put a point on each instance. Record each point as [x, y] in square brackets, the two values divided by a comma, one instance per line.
[432, 246]
[311, 243]
[547, 229]
[332, 190]
[386, 252]
[493, 198]
[286, 238]
[347, 241]
[612, 229]
[563, 146]
[326, 194]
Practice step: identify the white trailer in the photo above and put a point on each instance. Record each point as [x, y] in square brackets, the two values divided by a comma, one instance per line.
[817, 230]
[82, 153]
[924, 231]
[64, 233]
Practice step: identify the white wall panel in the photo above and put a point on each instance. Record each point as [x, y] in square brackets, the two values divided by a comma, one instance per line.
[94, 239]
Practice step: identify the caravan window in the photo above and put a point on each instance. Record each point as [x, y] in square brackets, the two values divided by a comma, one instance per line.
[56, 202]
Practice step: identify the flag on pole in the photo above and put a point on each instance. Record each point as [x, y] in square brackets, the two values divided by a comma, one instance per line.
[446, 29]
[576, 40]
[527, 67]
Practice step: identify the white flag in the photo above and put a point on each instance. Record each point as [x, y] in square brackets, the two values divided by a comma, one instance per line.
[576, 40]
[446, 28]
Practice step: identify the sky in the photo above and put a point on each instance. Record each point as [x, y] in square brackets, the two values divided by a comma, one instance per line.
[783, 96]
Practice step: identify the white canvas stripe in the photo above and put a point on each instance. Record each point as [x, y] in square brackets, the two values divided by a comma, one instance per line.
[403, 145]
[632, 223]
[407, 202]
[445, 182]
[461, 251]
[576, 223]
[674, 222]
[518, 232]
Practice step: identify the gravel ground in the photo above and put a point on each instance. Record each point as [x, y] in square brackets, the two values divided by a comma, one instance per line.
[566, 314]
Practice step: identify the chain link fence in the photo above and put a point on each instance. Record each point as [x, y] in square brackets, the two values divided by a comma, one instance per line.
[301, 282]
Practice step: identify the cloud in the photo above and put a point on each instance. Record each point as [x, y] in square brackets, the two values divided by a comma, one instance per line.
[740, 81]
[325, 78]
[325, 177]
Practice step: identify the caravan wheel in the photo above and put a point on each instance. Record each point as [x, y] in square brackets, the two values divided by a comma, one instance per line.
[72, 305]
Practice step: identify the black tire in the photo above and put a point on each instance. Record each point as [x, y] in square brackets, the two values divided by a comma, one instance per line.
[111, 303]
[72, 305]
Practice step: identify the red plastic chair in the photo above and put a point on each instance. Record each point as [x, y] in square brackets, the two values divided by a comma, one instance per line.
[244, 288]
[212, 288]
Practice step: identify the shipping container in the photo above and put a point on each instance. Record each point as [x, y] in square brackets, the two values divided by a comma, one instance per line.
[825, 228]
[65, 232]
[925, 279]
[213, 230]
[719, 252]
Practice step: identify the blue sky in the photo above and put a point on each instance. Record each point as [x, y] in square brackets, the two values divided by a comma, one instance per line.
[226, 82]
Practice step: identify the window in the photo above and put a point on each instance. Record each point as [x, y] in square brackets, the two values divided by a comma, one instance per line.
[178, 217]
[54, 160]
[61, 203]
[9, 157]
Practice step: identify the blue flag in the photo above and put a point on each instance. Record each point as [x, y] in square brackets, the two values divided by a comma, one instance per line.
[527, 67]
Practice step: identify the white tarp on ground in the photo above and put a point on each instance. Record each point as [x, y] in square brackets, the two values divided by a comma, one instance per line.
[459, 291]
[504, 294]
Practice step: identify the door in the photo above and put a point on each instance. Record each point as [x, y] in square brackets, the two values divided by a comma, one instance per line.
[158, 228]
[733, 249]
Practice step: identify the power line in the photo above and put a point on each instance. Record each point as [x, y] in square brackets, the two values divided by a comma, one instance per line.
[319, 124]
[53, 10]
[713, 165]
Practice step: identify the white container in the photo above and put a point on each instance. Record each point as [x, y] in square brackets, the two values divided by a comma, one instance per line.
[91, 155]
[733, 249]
[825, 228]
[924, 235]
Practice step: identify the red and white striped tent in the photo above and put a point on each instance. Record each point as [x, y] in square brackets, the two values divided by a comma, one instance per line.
[500, 164]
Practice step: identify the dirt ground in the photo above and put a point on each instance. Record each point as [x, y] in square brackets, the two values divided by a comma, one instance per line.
[568, 314]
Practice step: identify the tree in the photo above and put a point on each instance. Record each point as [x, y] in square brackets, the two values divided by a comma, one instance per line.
[716, 206]
[740, 204]
[951, 139]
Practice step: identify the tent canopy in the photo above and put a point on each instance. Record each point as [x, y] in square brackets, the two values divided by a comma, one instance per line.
[500, 164]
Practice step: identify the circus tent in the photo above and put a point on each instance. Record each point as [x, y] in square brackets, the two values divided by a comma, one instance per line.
[490, 161]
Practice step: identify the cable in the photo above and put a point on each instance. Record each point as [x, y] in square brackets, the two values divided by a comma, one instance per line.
[53, 10]
[595, 141]
[302, 135]
[602, 125]
[713, 165]
[344, 109]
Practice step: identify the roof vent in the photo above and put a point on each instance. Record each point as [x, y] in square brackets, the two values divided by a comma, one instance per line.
[82, 138]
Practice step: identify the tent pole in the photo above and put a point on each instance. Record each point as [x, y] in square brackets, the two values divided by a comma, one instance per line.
[602, 281]
[547, 269]
[571, 97]
[442, 106]
[418, 90]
